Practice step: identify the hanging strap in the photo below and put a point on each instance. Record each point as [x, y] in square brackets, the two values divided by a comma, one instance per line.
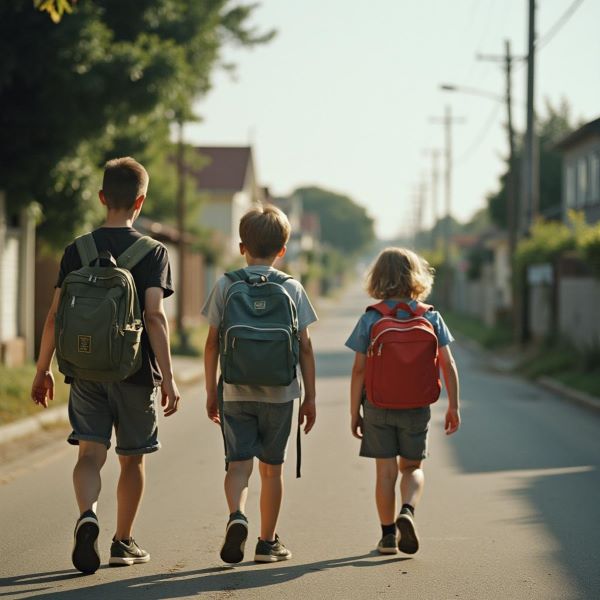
[135, 252]
[87, 249]
[384, 310]
[299, 436]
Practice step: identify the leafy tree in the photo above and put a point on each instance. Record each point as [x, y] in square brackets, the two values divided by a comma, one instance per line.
[556, 124]
[345, 225]
[110, 77]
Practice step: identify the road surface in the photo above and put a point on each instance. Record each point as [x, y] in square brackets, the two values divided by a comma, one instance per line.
[511, 508]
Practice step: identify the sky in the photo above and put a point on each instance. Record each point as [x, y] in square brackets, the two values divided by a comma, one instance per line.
[344, 95]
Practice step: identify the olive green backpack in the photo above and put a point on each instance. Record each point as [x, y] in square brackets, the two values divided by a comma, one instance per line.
[99, 321]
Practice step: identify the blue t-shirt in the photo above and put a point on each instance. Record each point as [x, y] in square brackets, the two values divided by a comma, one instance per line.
[359, 338]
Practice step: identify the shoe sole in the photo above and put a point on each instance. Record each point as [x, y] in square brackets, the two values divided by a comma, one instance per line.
[118, 561]
[384, 550]
[409, 541]
[232, 551]
[85, 554]
[269, 558]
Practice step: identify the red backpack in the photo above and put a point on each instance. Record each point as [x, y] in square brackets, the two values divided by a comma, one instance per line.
[402, 359]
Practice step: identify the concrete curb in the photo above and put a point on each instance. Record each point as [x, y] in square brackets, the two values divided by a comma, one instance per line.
[505, 366]
[568, 393]
[23, 427]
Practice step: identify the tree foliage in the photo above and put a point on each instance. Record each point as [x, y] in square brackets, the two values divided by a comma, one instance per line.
[107, 80]
[554, 125]
[345, 225]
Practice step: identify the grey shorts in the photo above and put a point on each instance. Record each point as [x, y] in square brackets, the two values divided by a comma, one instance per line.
[95, 408]
[260, 429]
[388, 433]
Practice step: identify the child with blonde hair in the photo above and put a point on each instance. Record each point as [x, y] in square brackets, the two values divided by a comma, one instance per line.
[400, 343]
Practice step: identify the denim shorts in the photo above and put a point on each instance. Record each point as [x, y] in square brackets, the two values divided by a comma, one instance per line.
[256, 429]
[388, 433]
[95, 408]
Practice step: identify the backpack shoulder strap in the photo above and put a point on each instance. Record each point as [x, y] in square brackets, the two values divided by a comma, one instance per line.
[279, 277]
[87, 249]
[137, 251]
[239, 275]
[382, 308]
[422, 309]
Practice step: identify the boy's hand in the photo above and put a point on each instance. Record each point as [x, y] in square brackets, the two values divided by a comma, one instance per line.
[212, 408]
[170, 397]
[42, 388]
[356, 426]
[308, 414]
[452, 422]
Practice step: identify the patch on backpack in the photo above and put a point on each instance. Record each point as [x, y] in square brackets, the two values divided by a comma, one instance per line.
[84, 344]
[260, 304]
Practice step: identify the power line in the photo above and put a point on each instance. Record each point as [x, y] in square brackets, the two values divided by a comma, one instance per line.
[549, 35]
[466, 155]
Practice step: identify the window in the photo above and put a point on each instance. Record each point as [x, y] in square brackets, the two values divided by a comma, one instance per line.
[595, 177]
[582, 181]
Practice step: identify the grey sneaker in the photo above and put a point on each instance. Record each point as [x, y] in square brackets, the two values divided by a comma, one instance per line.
[271, 551]
[388, 544]
[85, 554]
[236, 534]
[127, 553]
[409, 540]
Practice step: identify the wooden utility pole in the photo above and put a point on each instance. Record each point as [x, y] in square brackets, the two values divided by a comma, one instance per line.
[181, 213]
[447, 121]
[530, 168]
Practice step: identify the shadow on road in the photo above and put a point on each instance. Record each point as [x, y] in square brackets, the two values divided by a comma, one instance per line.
[549, 450]
[183, 584]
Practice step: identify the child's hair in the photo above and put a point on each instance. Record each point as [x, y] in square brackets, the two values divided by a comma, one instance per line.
[264, 231]
[124, 181]
[400, 273]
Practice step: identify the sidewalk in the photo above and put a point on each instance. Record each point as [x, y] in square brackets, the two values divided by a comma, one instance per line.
[188, 370]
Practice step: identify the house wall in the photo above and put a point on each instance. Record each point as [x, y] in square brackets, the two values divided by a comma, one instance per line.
[579, 298]
[581, 179]
[9, 285]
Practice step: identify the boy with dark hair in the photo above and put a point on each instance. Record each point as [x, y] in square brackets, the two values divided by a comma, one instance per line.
[256, 418]
[95, 407]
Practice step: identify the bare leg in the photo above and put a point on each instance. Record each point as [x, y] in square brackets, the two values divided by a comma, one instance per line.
[130, 490]
[86, 474]
[412, 481]
[271, 494]
[236, 484]
[385, 489]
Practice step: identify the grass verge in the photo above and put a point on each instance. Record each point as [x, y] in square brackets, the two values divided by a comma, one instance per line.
[15, 387]
[471, 327]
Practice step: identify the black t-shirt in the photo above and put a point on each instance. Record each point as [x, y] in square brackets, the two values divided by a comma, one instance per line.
[152, 271]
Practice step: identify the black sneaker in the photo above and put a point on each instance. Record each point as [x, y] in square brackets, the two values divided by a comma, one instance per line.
[409, 540]
[271, 551]
[236, 534]
[85, 555]
[123, 553]
[388, 544]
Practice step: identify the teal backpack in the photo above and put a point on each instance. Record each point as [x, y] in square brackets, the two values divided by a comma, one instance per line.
[99, 322]
[259, 340]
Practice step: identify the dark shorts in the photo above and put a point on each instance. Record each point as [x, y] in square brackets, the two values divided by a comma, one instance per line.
[95, 408]
[257, 429]
[388, 433]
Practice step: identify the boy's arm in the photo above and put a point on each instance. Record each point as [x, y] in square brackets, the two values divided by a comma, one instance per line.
[211, 362]
[42, 388]
[308, 409]
[356, 387]
[450, 372]
[157, 328]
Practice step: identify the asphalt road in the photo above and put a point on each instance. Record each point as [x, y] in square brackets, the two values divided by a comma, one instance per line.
[511, 508]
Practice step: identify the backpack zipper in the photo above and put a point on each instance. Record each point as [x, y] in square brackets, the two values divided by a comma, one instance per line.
[374, 340]
[256, 329]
